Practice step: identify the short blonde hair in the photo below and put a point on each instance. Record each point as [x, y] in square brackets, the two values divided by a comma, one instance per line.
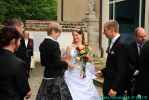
[54, 26]
[112, 24]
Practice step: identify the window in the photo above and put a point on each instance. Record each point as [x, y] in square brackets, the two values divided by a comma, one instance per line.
[129, 14]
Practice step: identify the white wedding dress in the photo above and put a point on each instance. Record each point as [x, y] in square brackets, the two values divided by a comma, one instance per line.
[81, 88]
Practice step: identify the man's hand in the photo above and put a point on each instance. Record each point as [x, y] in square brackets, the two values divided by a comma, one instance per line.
[99, 74]
[28, 95]
[112, 92]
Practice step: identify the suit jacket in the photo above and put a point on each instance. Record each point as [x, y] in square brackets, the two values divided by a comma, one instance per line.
[50, 57]
[13, 80]
[115, 73]
[134, 58]
[134, 61]
[143, 80]
[24, 52]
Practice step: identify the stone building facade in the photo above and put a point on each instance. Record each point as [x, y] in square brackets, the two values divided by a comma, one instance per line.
[129, 13]
[74, 10]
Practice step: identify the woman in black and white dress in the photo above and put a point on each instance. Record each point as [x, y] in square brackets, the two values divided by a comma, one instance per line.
[53, 86]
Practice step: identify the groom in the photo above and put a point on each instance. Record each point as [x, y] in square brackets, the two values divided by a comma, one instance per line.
[115, 73]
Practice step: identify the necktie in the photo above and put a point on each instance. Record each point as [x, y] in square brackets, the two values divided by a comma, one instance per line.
[140, 48]
[109, 43]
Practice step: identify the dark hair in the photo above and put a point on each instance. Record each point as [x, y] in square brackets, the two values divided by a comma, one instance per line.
[80, 32]
[12, 22]
[7, 34]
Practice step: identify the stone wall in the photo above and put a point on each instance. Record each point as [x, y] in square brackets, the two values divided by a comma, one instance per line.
[37, 25]
[74, 10]
[37, 30]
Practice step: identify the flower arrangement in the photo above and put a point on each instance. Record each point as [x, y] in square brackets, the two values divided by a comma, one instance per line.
[84, 55]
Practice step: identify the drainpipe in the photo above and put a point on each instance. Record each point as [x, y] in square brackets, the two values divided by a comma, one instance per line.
[62, 9]
[140, 12]
[100, 30]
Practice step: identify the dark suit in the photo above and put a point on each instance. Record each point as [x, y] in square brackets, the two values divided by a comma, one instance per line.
[134, 65]
[143, 79]
[13, 80]
[25, 52]
[115, 73]
[50, 56]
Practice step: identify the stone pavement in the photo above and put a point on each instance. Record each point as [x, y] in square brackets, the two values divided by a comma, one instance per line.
[35, 80]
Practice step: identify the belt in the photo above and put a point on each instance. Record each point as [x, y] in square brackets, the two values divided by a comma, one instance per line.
[45, 78]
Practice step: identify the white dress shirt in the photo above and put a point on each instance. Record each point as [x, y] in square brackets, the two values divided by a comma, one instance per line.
[49, 37]
[26, 42]
[114, 40]
[139, 46]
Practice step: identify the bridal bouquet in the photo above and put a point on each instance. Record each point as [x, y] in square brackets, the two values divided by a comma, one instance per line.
[84, 56]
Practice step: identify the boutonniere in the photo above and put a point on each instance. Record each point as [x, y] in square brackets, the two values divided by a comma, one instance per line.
[118, 46]
[112, 52]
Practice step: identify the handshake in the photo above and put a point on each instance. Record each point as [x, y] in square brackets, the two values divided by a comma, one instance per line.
[28, 95]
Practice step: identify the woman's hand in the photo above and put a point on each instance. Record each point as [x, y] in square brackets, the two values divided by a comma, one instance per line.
[68, 60]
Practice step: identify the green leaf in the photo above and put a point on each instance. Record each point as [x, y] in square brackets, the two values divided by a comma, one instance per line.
[28, 9]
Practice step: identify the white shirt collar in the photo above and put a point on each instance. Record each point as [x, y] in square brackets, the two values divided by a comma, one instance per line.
[26, 42]
[49, 37]
[114, 40]
[139, 44]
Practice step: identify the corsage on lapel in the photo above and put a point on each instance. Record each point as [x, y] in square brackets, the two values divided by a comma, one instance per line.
[116, 47]
[112, 52]
[30, 44]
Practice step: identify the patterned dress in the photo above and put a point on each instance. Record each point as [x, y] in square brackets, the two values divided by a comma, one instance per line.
[53, 89]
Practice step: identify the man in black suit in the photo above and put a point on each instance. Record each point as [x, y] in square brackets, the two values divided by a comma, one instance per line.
[142, 82]
[15, 23]
[13, 80]
[25, 51]
[115, 72]
[134, 58]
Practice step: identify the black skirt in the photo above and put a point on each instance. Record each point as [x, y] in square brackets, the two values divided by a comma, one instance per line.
[53, 89]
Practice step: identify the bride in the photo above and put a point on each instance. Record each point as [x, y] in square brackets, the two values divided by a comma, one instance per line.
[81, 88]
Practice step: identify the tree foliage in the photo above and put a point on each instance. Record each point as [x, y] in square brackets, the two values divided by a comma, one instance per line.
[28, 9]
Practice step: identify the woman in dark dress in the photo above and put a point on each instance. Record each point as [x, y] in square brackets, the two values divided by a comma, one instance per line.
[13, 80]
[53, 86]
